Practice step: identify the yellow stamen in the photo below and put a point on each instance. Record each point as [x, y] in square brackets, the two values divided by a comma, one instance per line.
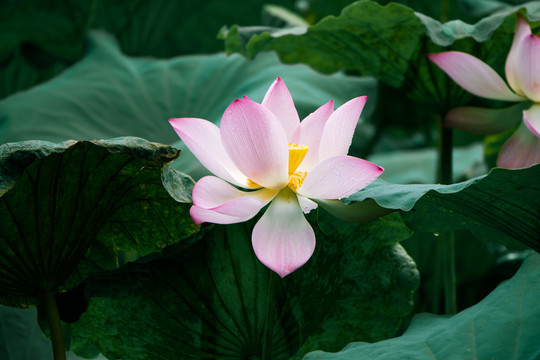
[252, 184]
[296, 179]
[297, 153]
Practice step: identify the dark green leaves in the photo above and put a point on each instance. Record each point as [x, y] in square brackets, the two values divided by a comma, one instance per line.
[390, 43]
[366, 38]
[164, 28]
[109, 94]
[211, 300]
[40, 38]
[68, 209]
[502, 326]
[504, 202]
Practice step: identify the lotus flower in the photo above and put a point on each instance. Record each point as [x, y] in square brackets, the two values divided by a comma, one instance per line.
[523, 75]
[263, 154]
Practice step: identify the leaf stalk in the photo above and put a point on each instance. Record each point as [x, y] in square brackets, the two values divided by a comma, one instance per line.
[447, 252]
[55, 326]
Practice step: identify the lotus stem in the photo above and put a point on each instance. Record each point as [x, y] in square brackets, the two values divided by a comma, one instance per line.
[447, 253]
[55, 326]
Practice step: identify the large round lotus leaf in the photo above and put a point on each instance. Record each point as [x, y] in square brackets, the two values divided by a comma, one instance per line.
[108, 94]
[502, 204]
[502, 326]
[68, 209]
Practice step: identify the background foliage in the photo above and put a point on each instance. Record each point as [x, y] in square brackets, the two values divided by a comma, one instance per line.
[92, 69]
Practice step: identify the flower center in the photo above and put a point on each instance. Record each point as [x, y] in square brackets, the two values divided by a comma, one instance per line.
[296, 179]
[252, 184]
[297, 153]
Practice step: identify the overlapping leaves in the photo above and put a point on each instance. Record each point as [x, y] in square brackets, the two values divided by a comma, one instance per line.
[211, 300]
[389, 42]
[356, 40]
[68, 209]
[502, 326]
[358, 263]
[109, 94]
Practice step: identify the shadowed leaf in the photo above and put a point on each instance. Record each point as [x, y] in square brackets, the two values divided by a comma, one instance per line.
[39, 39]
[504, 202]
[68, 209]
[391, 43]
[502, 326]
[366, 38]
[210, 301]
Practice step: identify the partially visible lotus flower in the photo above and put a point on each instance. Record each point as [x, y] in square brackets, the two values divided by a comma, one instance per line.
[523, 75]
[265, 150]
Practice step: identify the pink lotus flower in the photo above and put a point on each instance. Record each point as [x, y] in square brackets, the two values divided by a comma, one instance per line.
[266, 150]
[523, 75]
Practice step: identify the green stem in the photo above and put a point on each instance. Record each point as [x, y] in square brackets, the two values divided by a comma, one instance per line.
[55, 326]
[445, 155]
[447, 253]
[269, 321]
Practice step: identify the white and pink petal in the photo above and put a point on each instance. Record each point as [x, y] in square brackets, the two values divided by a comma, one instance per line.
[256, 143]
[531, 118]
[474, 75]
[309, 133]
[306, 204]
[282, 239]
[528, 63]
[338, 177]
[279, 101]
[339, 129]
[203, 139]
[210, 192]
[217, 201]
[511, 67]
[234, 211]
[521, 150]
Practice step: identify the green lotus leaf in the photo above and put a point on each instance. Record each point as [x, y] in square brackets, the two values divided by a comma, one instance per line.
[68, 209]
[502, 326]
[464, 9]
[109, 94]
[212, 300]
[366, 38]
[390, 43]
[39, 39]
[504, 202]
